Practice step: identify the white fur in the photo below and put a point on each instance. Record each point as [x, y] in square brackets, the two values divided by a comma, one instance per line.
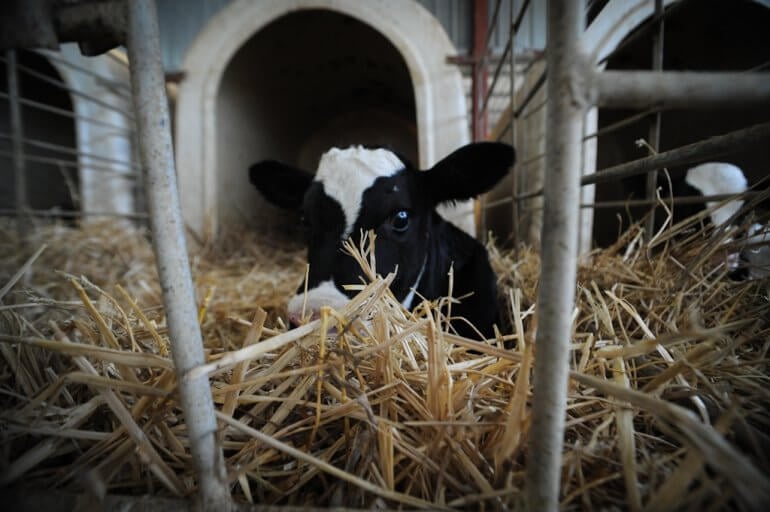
[347, 173]
[407, 302]
[715, 178]
[325, 294]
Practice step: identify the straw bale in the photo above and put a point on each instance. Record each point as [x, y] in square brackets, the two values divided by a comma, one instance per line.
[375, 406]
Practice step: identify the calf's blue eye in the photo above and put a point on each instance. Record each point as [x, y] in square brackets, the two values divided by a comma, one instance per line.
[400, 221]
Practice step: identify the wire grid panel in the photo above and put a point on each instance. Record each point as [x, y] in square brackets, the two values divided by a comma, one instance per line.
[71, 144]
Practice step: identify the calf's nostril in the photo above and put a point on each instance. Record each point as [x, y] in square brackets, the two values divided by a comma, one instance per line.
[296, 319]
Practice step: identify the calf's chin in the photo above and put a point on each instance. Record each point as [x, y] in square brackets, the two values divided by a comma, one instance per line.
[308, 305]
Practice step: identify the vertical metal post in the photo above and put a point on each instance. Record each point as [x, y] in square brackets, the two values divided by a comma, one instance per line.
[514, 177]
[155, 147]
[654, 135]
[478, 93]
[567, 68]
[17, 144]
[479, 79]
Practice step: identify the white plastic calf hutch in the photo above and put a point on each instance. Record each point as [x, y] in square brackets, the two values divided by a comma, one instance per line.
[281, 80]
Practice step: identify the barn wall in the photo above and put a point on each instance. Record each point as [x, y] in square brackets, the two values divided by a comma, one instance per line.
[182, 20]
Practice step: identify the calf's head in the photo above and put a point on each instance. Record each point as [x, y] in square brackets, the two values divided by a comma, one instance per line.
[359, 189]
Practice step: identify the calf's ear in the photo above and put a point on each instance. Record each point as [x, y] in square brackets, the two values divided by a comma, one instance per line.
[281, 184]
[469, 171]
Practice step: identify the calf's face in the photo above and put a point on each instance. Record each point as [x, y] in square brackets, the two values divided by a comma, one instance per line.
[356, 190]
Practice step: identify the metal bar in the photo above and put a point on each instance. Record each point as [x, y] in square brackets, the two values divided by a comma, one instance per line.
[515, 23]
[531, 94]
[622, 123]
[525, 56]
[479, 79]
[709, 148]
[558, 272]
[153, 123]
[61, 85]
[675, 200]
[17, 146]
[654, 134]
[73, 213]
[688, 89]
[69, 151]
[65, 113]
[492, 26]
[506, 52]
[74, 165]
[496, 75]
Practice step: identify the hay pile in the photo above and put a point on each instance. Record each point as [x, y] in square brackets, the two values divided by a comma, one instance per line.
[376, 406]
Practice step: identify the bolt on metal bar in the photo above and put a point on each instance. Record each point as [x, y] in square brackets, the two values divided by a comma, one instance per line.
[558, 272]
[66, 113]
[61, 85]
[17, 145]
[154, 131]
[70, 164]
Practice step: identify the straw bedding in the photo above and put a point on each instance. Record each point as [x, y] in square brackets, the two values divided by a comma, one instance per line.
[374, 406]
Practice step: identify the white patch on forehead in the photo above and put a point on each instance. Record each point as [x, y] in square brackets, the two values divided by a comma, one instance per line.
[347, 173]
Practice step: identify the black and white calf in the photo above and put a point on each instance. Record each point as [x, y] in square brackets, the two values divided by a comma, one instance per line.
[712, 178]
[359, 189]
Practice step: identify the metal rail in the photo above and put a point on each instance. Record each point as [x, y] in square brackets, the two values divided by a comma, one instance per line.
[558, 271]
[65, 214]
[506, 52]
[153, 126]
[17, 145]
[674, 200]
[35, 143]
[70, 164]
[653, 137]
[64, 113]
[61, 85]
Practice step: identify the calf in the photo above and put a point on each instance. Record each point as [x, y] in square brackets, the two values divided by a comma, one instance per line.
[716, 178]
[359, 189]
